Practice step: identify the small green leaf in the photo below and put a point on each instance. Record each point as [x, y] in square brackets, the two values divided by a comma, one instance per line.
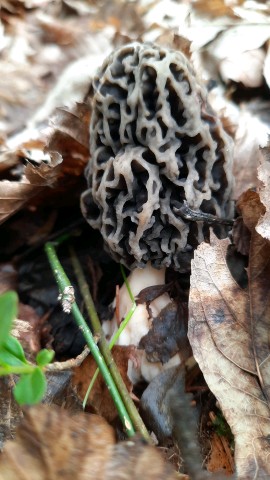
[31, 388]
[8, 312]
[44, 357]
[13, 346]
[7, 358]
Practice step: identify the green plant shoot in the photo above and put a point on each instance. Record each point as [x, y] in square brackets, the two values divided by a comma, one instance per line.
[32, 384]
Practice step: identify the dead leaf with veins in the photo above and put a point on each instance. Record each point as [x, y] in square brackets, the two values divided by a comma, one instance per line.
[228, 332]
[245, 67]
[99, 400]
[266, 70]
[263, 226]
[217, 8]
[52, 444]
[259, 291]
[16, 194]
[251, 133]
[167, 335]
[220, 454]
[61, 166]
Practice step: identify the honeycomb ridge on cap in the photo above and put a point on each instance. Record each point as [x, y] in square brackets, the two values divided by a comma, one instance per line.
[154, 142]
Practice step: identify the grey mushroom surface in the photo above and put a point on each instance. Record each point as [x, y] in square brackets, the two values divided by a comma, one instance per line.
[155, 145]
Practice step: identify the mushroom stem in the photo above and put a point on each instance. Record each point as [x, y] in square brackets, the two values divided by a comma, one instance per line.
[138, 279]
[140, 321]
[141, 278]
[138, 325]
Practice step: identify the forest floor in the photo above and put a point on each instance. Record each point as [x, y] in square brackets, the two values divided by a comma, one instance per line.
[219, 315]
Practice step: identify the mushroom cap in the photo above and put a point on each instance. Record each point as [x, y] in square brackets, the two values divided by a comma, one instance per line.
[154, 142]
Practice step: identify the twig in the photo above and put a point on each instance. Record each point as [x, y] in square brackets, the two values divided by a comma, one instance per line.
[63, 282]
[105, 348]
[197, 216]
[126, 283]
[185, 433]
[68, 364]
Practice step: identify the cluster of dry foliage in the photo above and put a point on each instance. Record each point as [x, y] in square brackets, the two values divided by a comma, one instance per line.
[48, 54]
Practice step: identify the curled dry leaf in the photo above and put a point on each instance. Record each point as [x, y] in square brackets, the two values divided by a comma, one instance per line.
[220, 455]
[263, 226]
[155, 402]
[238, 39]
[167, 335]
[8, 159]
[246, 67]
[266, 70]
[100, 400]
[218, 8]
[27, 329]
[251, 133]
[15, 195]
[228, 331]
[51, 444]
[63, 162]
[259, 292]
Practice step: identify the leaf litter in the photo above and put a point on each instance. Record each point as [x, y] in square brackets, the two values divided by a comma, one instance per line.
[47, 58]
[228, 332]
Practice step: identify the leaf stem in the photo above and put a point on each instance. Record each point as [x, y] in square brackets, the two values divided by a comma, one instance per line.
[16, 370]
[63, 282]
[105, 348]
[126, 283]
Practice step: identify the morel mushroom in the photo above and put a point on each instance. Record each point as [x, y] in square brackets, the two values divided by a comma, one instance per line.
[154, 143]
[157, 151]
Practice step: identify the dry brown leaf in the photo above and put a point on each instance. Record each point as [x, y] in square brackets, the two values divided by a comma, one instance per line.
[216, 8]
[222, 336]
[259, 292]
[167, 335]
[60, 32]
[51, 444]
[244, 67]
[17, 7]
[250, 208]
[239, 38]
[263, 226]
[266, 70]
[14, 195]
[220, 456]
[251, 132]
[100, 400]
[73, 123]
[70, 138]
[27, 328]
[8, 159]
[64, 160]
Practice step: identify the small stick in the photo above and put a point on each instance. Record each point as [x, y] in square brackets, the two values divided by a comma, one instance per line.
[63, 282]
[105, 349]
[197, 216]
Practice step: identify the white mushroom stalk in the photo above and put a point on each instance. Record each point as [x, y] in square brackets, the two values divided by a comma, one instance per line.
[139, 367]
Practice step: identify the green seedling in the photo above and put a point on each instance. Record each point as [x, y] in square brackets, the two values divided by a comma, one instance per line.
[222, 428]
[32, 383]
